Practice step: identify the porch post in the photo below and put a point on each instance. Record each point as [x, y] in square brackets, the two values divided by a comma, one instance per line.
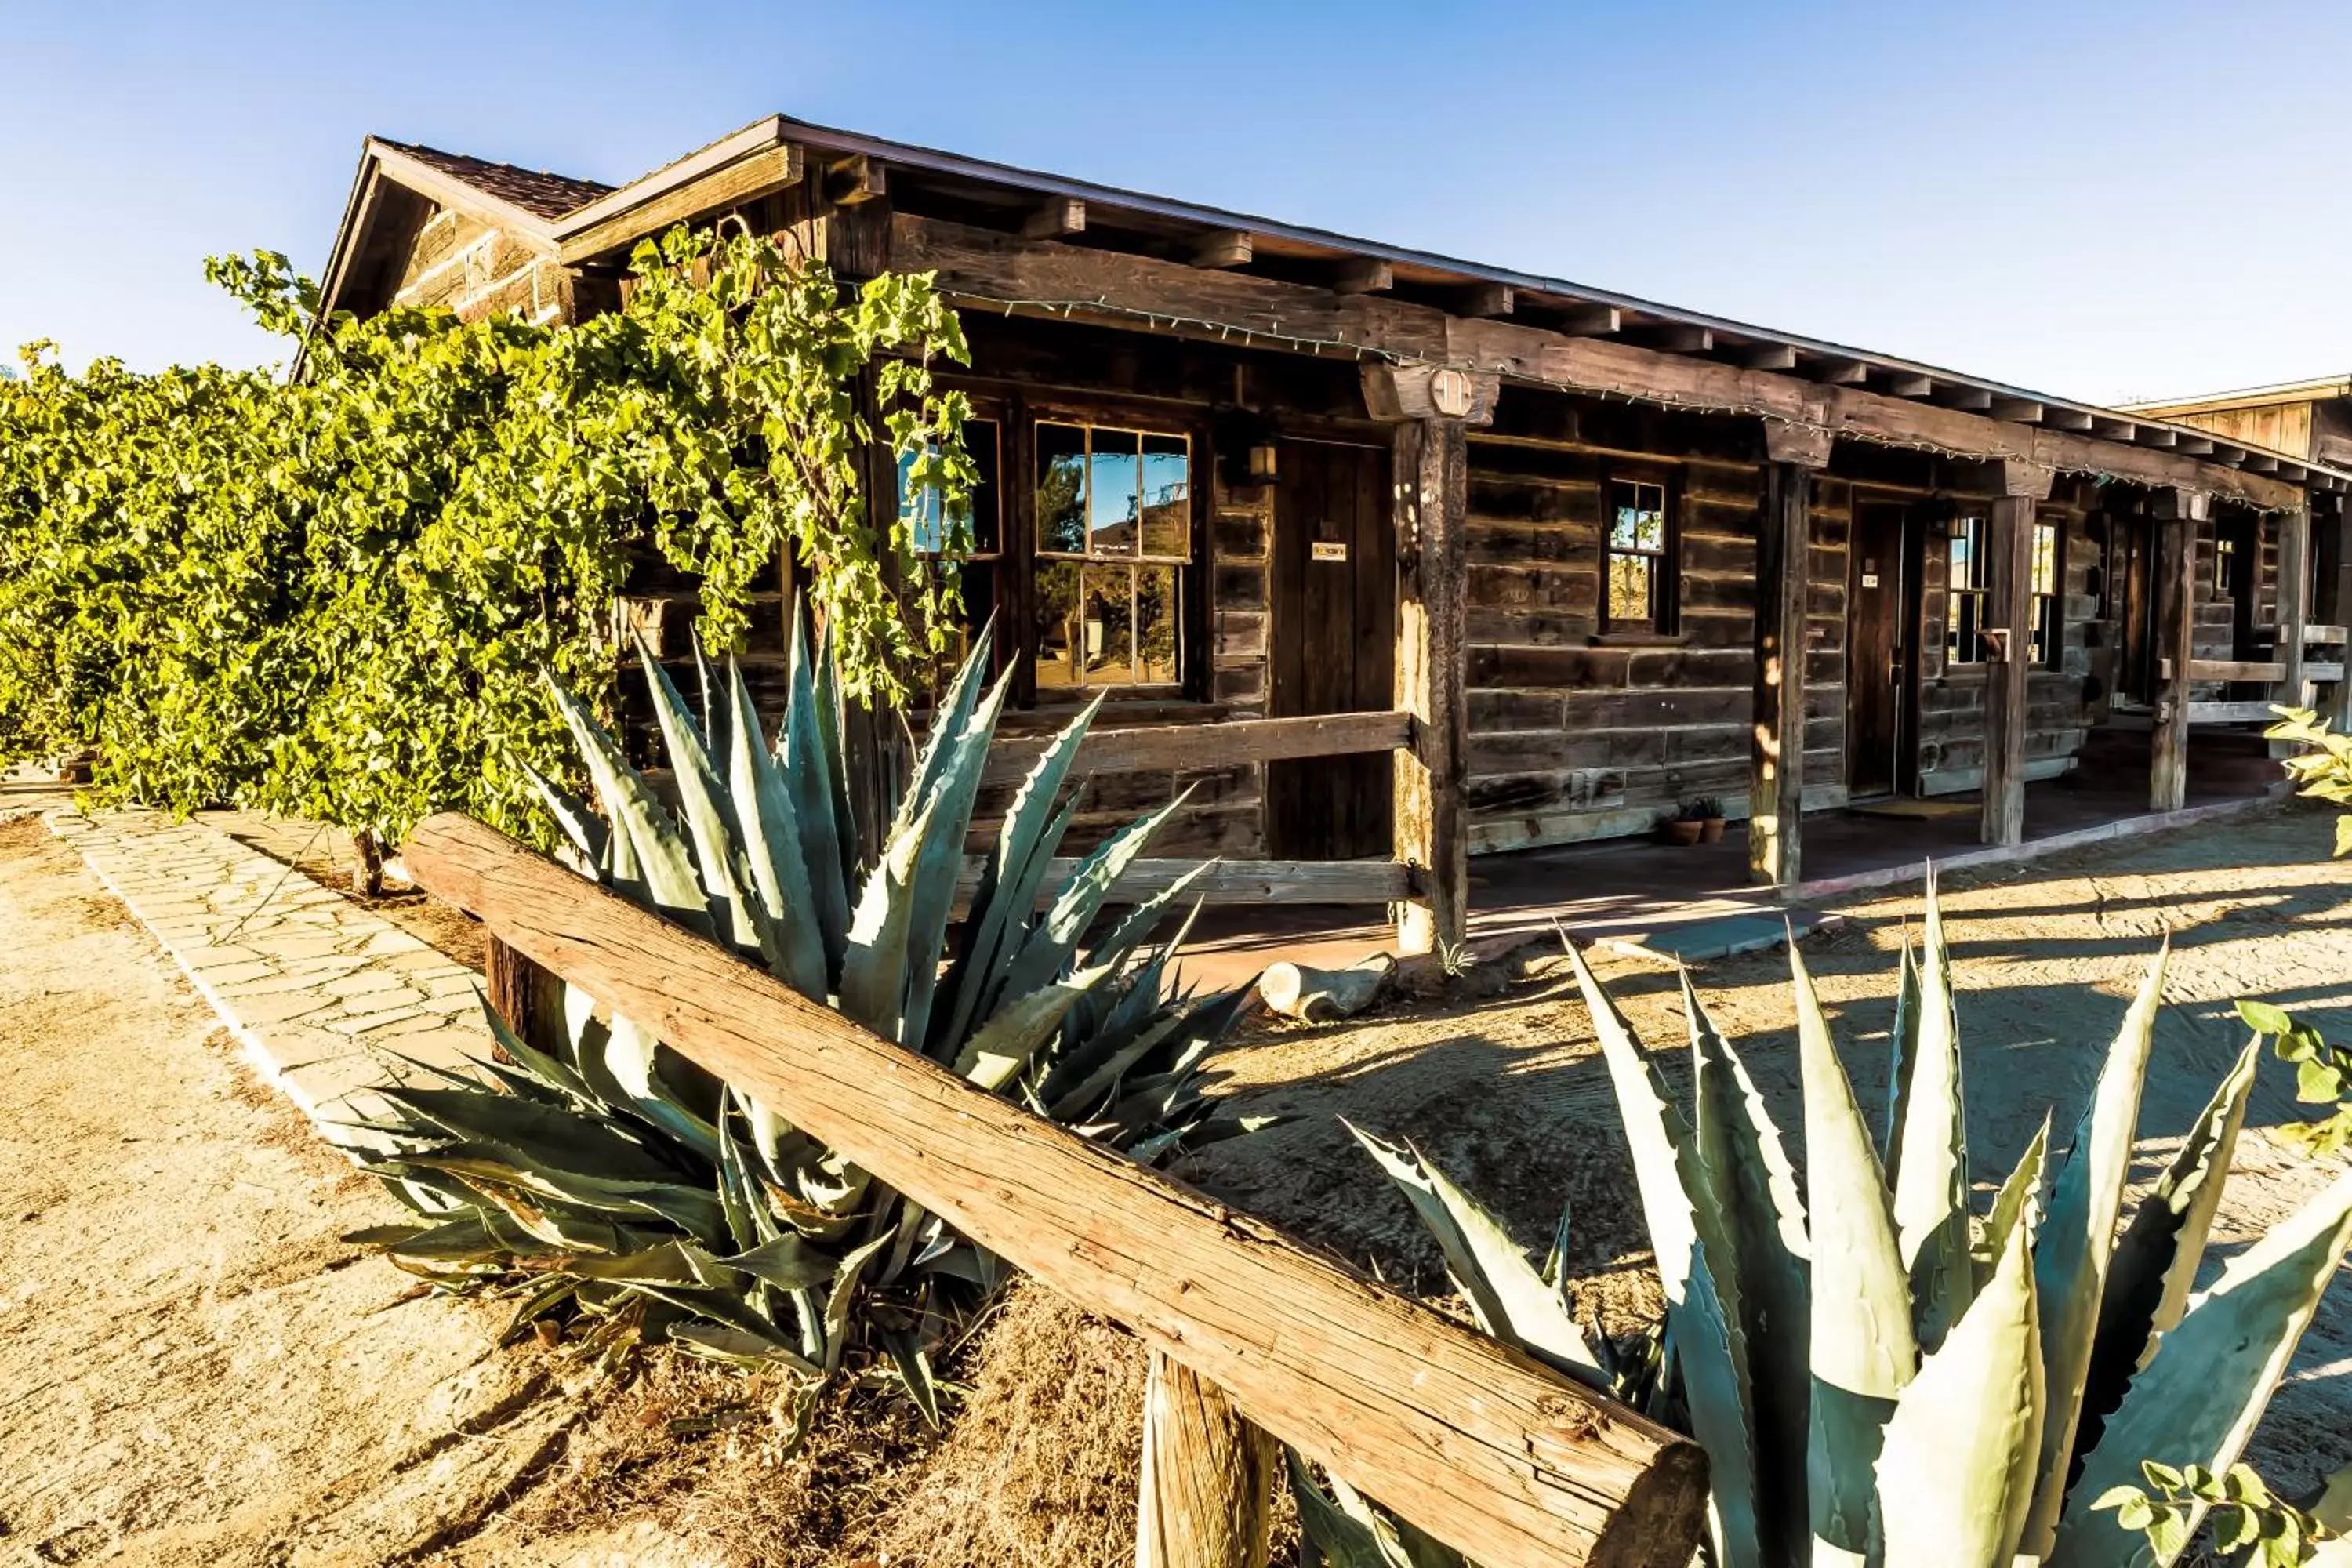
[1431, 408]
[2010, 575]
[2339, 699]
[2294, 612]
[2177, 511]
[1776, 756]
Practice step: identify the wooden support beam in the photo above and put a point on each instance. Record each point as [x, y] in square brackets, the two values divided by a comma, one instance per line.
[1057, 216]
[729, 186]
[2017, 410]
[1839, 372]
[2261, 463]
[1234, 881]
[2009, 606]
[1776, 768]
[2338, 708]
[2066, 418]
[854, 179]
[1429, 468]
[1363, 274]
[2294, 614]
[1486, 299]
[1904, 384]
[1224, 247]
[1769, 356]
[2178, 513]
[2253, 712]
[1677, 339]
[1592, 321]
[2108, 429]
[1975, 399]
[1207, 1487]
[2159, 436]
[1474, 1443]
[992, 269]
[2265, 670]
[2194, 446]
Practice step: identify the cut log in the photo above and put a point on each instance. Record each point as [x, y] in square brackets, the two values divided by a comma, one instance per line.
[1319, 995]
[1487, 1451]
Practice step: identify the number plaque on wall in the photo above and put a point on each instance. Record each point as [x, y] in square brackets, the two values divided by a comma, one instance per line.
[1329, 550]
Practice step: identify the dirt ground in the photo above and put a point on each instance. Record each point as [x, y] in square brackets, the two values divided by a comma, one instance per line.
[192, 1369]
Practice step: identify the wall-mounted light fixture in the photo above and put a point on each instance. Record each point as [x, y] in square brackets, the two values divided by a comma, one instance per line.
[1262, 462]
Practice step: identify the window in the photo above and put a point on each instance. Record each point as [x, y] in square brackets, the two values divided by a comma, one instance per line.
[1639, 578]
[971, 547]
[2046, 623]
[1963, 596]
[1114, 533]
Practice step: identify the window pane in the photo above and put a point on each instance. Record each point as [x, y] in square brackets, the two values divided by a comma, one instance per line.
[2045, 558]
[1166, 496]
[1629, 588]
[1057, 605]
[1111, 499]
[1963, 574]
[1061, 489]
[923, 510]
[1106, 622]
[1157, 625]
[1640, 518]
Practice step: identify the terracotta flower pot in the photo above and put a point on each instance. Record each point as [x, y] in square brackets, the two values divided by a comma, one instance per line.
[1710, 830]
[1680, 830]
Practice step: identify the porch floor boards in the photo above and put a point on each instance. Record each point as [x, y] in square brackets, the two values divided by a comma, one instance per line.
[1622, 888]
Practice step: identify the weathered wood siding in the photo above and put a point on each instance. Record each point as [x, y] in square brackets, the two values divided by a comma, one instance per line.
[474, 269]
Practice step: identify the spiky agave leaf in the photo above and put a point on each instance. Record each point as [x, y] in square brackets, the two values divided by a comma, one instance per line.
[1862, 1347]
[1699, 1266]
[2212, 1377]
[812, 767]
[1962, 1450]
[772, 849]
[2155, 1264]
[1751, 1182]
[655, 850]
[1902, 1060]
[709, 810]
[1507, 1298]
[2069, 1262]
[1931, 1183]
[2019, 1202]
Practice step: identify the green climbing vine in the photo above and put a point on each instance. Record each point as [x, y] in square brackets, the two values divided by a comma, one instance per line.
[330, 596]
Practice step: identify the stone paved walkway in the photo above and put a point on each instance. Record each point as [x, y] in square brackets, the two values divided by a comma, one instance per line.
[325, 997]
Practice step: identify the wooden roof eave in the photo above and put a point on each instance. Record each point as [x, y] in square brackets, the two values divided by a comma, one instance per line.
[1832, 363]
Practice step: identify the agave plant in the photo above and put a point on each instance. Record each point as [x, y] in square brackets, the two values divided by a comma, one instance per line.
[1879, 1375]
[604, 1176]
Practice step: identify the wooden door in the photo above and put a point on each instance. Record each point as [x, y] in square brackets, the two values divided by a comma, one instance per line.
[1334, 650]
[1882, 600]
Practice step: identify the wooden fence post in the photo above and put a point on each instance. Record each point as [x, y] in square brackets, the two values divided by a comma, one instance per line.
[2178, 511]
[1776, 758]
[526, 996]
[2009, 562]
[1208, 1476]
[2293, 613]
[1432, 407]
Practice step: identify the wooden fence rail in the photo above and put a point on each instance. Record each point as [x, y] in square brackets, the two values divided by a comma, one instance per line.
[1477, 1444]
[1185, 746]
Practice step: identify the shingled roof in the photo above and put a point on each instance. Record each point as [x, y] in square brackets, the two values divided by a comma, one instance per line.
[537, 193]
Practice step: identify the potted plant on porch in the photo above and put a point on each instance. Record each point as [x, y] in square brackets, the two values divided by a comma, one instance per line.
[1699, 820]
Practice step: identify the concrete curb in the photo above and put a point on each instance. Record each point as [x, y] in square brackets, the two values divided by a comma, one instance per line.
[322, 995]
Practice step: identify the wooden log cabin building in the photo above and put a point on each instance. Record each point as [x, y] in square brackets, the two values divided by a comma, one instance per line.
[1391, 559]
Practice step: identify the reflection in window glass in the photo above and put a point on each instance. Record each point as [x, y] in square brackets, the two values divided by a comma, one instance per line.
[1061, 490]
[1111, 503]
[1964, 592]
[965, 549]
[1167, 491]
[2045, 594]
[1636, 556]
[1110, 500]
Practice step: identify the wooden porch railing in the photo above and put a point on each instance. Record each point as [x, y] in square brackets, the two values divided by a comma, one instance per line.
[1398, 880]
[1477, 1444]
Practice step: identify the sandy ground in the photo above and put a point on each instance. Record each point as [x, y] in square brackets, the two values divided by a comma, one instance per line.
[192, 1369]
[1511, 1097]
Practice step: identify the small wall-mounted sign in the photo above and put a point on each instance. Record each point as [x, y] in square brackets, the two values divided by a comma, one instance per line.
[1329, 550]
[1870, 579]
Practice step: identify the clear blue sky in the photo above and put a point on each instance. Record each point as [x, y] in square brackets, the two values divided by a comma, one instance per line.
[2097, 200]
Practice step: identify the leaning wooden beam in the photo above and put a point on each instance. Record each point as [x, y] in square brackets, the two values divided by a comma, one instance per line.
[1184, 747]
[989, 270]
[1477, 1444]
[2010, 605]
[1776, 767]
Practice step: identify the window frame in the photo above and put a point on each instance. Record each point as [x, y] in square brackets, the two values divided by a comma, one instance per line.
[1182, 568]
[1664, 619]
[2047, 606]
[1979, 526]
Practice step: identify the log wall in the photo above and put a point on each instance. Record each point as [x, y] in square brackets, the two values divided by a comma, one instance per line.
[470, 267]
